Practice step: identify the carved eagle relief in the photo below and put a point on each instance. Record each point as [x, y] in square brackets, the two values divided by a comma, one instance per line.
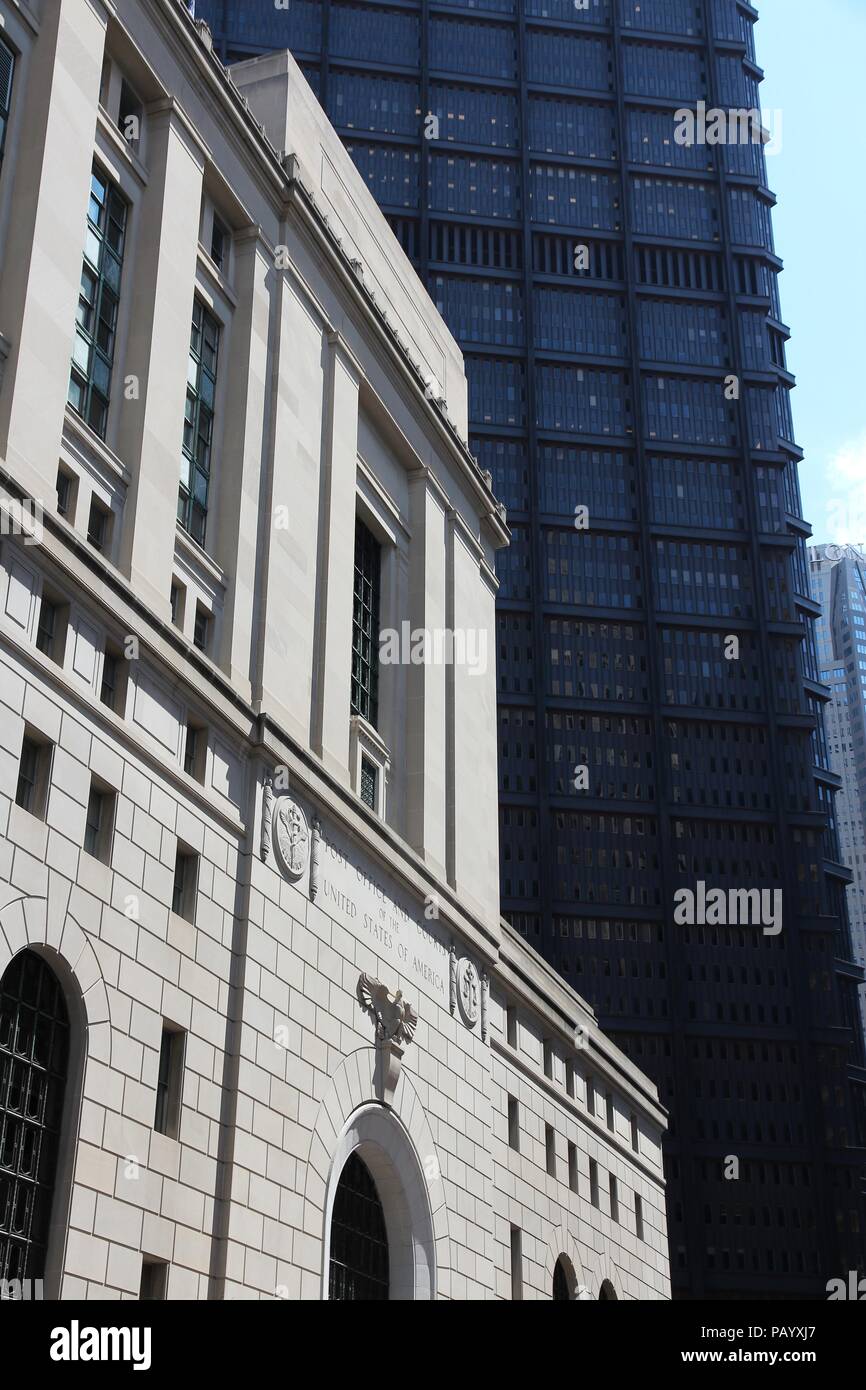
[395, 1019]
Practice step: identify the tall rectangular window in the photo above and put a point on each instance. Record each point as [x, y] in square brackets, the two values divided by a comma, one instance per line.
[169, 1081]
[31, 792]
[638, 1215]
[572, 1166]
[513, 1123]
[195, 465]
[593, 1182]
[365, 625]
[614, 1197]
[98, 300]
[183, 893]
[99, 825]
[550, 1149]
[7, 69]
[516, 1263]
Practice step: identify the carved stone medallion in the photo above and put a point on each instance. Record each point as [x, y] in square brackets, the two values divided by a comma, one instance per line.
[291, 837]
[468, 991]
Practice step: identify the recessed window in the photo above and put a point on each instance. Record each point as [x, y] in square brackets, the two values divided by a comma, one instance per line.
[572, 1166]
[34, 766]
[201, 628]
[516, 1263]
[98, 525]
[593, 1182]
[547, 1051]
[67, 487]
[113, 682]
[365, 625]
[178, 603]
[614, 1197]
[195, 466]
[154, 1280]
[569, 1079]
[98, 302]
[635, 1138]
[195, 748]
[511, 1025]
[513, 1123]
[169, 1081]
[550, 1149]
[369, 781]
[590, 1095]
[99, 825]
[185, 883]
[219, 244]
[129, 115]
[638, 1215]
[608, 1109]
[51, 627]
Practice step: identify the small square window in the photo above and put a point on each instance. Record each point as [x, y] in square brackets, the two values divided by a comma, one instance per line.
[99, 825]
[154, 1280]
[185, 883]
[31, 792]
[169, 1081]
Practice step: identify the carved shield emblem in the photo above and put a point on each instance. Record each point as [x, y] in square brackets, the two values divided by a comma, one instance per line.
[291, 837]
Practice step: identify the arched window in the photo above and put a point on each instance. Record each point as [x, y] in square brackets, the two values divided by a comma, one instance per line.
[359, 1241]
[607, 1290]
[561, 1290]
[34, 1054]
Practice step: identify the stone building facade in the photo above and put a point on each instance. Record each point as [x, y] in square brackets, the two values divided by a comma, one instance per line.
[263, 1031]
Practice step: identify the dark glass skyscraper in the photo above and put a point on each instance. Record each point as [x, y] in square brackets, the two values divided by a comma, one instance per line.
[615, 293]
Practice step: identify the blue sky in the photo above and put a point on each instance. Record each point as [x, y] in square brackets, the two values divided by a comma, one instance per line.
[813, 53]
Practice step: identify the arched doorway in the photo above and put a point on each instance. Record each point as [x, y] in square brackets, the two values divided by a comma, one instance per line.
[561, 1283]
[34, 1060]
[359, 1259]
[607, 1290]
[394, 1184]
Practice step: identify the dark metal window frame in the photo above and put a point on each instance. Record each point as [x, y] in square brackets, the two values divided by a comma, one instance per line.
[29, 775]
[98, 302]
[169, 1081]
[359, 1268]
[34, 1068]
[196, 453]
[8, 58]
[365, 624]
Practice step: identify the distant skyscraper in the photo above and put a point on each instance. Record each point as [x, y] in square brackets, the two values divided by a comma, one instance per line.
[839, 585]
[605, 282]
